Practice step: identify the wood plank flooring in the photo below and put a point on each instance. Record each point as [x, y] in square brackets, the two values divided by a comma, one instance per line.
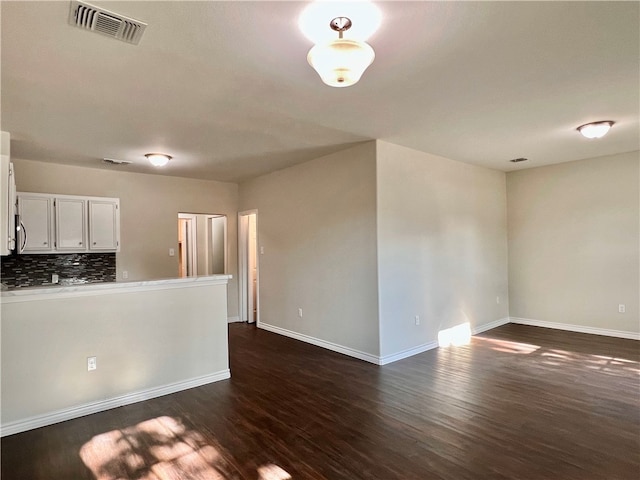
[519, 402]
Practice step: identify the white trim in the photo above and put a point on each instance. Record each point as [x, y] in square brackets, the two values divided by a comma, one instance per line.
[367, 357]
[191, 253]
[233, 319]
[489, 326]
[394, 357]
[576, 328]
[99, 406]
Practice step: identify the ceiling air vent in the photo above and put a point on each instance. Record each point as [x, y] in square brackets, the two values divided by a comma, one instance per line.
[103, 21]
[113, 161]
[518, 160]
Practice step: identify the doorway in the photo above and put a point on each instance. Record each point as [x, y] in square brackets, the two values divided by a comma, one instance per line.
[215, 240]
[248, 266]
[202, 244]
[187, 248]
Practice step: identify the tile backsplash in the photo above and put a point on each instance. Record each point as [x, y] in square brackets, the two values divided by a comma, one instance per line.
[34, 270]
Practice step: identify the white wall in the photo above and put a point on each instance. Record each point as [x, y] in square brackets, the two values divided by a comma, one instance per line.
[574, 243]
[316, 223]
[143, 339]
[442, 246]
[149, 206]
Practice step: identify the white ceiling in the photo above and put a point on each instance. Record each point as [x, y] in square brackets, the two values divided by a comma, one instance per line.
[225, 88]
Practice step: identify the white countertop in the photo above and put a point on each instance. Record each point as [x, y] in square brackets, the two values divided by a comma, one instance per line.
[49, 291]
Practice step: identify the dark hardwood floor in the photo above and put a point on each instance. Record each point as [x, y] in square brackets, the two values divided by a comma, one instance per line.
[517, 403]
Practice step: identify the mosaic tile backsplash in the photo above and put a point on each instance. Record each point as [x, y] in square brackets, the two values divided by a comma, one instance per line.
[35, 270]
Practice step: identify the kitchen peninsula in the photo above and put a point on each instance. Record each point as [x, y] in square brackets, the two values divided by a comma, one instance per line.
[149, 338]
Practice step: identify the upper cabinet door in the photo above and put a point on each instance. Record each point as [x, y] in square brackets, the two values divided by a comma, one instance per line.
[104, 225]
[36, 217]
[71, 225]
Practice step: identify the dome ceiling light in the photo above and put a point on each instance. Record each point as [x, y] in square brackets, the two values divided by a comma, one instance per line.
[158, 159]
[595, 129]
[341, 62]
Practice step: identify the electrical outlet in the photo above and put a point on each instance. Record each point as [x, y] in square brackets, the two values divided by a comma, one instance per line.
[54, 278]
[417, 319]
[498, 300]
[172, 252]
[300, 312]
[622, 308]
[92, 363]
[125, 274]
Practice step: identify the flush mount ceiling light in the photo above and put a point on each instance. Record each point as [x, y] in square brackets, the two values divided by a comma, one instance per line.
[341, 62]
[158, 159]
[595, 129]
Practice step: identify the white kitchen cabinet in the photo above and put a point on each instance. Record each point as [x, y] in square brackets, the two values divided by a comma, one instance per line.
[71, 224]
[104, 224]
[36, 215]
[68, 223]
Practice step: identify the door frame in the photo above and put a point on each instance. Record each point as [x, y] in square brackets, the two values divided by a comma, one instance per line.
[192, 246]
[243, 267]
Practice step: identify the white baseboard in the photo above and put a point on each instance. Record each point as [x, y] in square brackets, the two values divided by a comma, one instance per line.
[367, 357]
[576, 328]
[489, 326]
[99, 406]
[394, 357]
[233, 319]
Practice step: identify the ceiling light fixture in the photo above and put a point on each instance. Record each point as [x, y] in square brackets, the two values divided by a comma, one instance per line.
[158, 159]
[595, 129]
[341, 62]
[365, 16]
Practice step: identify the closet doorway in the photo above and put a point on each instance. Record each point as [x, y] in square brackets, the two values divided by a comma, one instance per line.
[248, 270]
[202, 244]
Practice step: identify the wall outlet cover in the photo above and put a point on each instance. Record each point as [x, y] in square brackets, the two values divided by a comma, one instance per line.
[92, 363]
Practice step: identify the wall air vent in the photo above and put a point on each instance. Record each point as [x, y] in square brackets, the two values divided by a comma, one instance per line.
[518, 160]
[113, 161]
[107, 23]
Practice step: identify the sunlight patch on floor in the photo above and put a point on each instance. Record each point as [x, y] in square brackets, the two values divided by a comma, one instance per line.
[507, 346]
[272, 472]
[160, 449]
[556, 357]
[603, 363]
